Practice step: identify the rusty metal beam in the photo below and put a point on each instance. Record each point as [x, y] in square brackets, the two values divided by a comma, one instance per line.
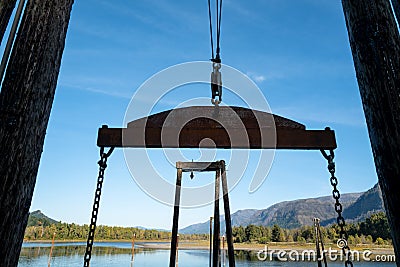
[207, 127]
[198, 166]
[285, 139]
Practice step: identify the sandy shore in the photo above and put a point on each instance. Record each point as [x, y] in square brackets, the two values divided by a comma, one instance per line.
[204, 245]
[377, 250]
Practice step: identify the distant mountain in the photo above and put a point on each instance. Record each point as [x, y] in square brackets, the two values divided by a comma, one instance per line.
[37, 218]
[297, 213]
[367, 204]
[155, 229]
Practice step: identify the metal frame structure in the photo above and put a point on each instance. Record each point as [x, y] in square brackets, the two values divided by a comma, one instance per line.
[220, 176]
[188, 127]
[194, 124]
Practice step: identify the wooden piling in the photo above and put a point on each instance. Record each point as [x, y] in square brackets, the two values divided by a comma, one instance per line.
[223, 250]
[396, 9]
[133, 248]
[375, 43]
[51, 250]
[11, 38]
[6, 10]
[177, 250]
[26, 99]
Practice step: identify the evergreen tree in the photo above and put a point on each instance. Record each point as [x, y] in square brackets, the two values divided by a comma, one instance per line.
[276, 233]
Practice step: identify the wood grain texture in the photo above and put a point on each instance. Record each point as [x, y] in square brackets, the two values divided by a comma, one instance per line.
[375, 45]
[6, 9]
[26, 99]
[396, 9]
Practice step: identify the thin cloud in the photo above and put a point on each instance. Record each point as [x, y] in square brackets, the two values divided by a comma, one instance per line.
[109, 92]
[258, 78]
[343, 116]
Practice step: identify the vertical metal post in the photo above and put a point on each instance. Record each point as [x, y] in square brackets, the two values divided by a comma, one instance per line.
[211, 235]
[228, 223]
[174, 238]
[11, 39]
[216, 242]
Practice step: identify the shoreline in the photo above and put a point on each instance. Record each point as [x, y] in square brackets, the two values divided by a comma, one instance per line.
[204, 245]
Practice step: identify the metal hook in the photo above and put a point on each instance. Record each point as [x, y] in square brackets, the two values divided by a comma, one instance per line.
[216, 84]
[191, 173]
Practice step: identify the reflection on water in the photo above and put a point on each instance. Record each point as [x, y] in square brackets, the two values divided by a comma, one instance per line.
[119, 254]
[73, 250]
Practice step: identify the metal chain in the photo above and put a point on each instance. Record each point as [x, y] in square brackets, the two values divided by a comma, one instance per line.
[343, 236]
[102, 167]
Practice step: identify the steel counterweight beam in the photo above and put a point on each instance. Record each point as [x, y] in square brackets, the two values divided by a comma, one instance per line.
[223, 127]
[191, 138]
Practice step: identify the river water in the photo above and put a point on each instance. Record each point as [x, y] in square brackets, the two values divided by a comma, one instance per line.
[119, 254]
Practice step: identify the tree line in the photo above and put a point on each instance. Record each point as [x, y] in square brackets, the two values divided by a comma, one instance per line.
[66, 231]
[374, 229]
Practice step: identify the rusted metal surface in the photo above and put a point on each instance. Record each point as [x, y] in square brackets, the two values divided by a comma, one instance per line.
[202, 117]
[216, 257]
[223, 127]
[220, 176]
[198, 166]
[228, 221]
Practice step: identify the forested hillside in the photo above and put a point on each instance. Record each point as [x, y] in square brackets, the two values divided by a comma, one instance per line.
[297, 213]
[374, 229]
[41, 227]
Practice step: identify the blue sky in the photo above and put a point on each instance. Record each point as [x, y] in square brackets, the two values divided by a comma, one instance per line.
[297, 52]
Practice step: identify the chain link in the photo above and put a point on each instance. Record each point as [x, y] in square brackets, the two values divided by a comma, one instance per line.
[338, 206]
[102, 167]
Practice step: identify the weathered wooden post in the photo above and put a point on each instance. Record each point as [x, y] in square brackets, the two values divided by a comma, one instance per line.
[396, 8]
[375, 44]
[6, 9]
[11, 38]
[51, 250]
[223, 250]
[177, 250]
[26, 99]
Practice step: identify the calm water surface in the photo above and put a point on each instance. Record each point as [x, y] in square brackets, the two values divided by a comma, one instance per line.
[119, 254]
